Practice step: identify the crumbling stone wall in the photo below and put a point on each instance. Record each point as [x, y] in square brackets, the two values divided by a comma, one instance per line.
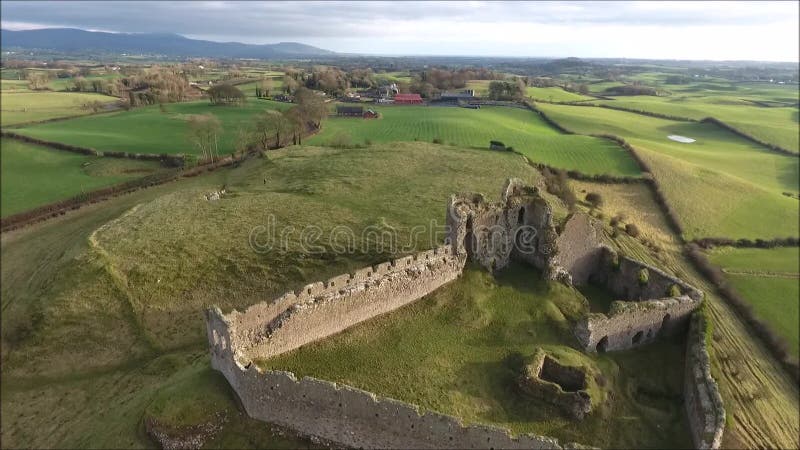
[350, 417]
[621, 275]
[702, 399]
[633, 324]
[579, 250]
[324, 308]
[661, 305]
[519, 226]
[564, 386]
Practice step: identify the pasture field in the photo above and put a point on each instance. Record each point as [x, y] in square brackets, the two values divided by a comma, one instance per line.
[8, 86]
[148, 130]
[775, 125]
[554, 94]
[551, 94]
[720, 185]
[519, 128]
[460, 350]
[758, 260]
[768, 279]
[249, 89]
[21, 107]
[33, 175]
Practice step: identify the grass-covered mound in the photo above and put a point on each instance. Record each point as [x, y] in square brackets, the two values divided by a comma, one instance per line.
[461, 350]
[32, 175]
[20, 107]
[720, 185]
[149, 129]
[102, 308]
[768, 280]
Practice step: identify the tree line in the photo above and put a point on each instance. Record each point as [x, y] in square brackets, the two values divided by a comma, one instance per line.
[269, 129]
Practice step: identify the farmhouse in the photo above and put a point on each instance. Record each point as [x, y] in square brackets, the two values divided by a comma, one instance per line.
[408, 99]
[349, 111]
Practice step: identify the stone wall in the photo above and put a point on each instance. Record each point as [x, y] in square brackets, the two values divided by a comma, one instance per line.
[564, 386]
[660, 305]
[633, 324]
[321, 309]
[579, 250]
[520, 226]
[703, 402]
[350, 417]
[620, 274]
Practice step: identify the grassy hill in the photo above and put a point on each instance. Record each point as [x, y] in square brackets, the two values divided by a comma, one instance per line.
[102, 309]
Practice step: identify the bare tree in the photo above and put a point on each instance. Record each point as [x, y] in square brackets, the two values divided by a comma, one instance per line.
[271, 128]
[204, 130]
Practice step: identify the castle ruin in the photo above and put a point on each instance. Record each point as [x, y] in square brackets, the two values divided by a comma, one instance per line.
[519, 227]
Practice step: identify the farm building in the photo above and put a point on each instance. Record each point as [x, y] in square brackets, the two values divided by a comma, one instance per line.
[468, 94]
[408, 99]
[350, 111]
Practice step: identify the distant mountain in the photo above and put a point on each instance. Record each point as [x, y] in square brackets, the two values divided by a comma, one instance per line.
[70, 40]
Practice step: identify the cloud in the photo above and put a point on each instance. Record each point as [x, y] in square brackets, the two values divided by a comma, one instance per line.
[502, 28]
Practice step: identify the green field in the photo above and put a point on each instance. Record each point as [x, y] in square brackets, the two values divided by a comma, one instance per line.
[148, 130]
[33, 176]
[775, 125]
[21, 107]
[551, 94]
[769, 280]
[720, 185]
[554, 94]
[460, 349]
[519, 128]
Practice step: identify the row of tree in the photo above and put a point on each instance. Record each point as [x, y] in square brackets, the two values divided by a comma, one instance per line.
[269, 129]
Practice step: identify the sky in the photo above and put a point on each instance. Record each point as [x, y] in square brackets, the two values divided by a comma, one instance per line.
[763, 31]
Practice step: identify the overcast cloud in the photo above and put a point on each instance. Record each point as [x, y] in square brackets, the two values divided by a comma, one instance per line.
[675, 30]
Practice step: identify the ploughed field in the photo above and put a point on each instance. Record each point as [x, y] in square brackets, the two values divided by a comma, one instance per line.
[461, 349]
[719, 185]
[768, 279]
[33, 175]
[521, 129]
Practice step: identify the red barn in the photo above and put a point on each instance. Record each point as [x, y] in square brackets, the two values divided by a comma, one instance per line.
[407, 99]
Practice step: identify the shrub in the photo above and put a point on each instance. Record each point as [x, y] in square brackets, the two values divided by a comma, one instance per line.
[437, 140]
[594, 199]
[643, 277]
[342, 139]
[674, 291]
[632, 230]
